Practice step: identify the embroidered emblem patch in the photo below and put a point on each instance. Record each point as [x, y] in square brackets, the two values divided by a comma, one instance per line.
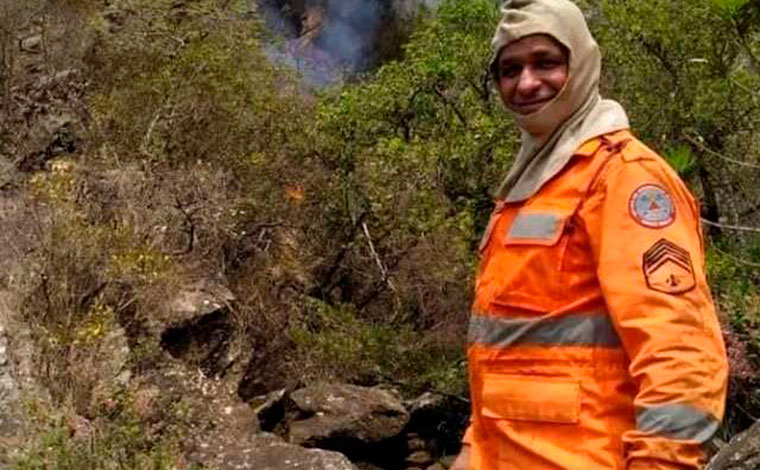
[652, 206]
[668, 268]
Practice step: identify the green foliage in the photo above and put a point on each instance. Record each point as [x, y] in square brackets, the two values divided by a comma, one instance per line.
[332, 342]
[186, 84]
[731, 5]
[421, 143]
[681, 158]
[119, 440]
[345, 220]
[734, 282]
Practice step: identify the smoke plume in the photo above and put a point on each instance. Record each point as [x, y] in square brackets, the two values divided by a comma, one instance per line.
[326, 39]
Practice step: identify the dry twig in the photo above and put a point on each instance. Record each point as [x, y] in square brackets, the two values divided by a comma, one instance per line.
[737, 228]
[741, 261]
[383, 271]
[712, 152]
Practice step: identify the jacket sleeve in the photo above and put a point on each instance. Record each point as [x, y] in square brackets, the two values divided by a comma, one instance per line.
[647, 245]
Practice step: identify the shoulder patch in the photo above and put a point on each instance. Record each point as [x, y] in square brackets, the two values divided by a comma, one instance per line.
[652, 206]
[668, 268]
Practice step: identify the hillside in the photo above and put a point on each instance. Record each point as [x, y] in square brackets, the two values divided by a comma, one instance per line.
[209, 210]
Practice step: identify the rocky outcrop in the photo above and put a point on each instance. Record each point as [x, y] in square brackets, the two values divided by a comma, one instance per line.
[370, 425]
[346, 413]
[226, 432]
[49, 137]
[742, 453]
[196, 326]
[50, 109]
[273, 454]
[9, 389]
[15, 359]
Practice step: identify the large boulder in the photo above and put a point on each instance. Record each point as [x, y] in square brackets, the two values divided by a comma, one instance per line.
[269, 453]
[272, 454]
[742, 453]
[196, 326]
[348, 413]
[51, 135]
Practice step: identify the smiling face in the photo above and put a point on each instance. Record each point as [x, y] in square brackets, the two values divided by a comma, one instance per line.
[531, 72]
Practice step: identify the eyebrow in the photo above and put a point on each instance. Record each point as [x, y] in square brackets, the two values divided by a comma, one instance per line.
[540, 54]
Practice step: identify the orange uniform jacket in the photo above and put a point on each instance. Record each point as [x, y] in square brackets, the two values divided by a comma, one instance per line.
[593, 342]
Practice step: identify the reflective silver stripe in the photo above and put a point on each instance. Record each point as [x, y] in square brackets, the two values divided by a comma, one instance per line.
[677, 422]
[591, 329]
[534, 226]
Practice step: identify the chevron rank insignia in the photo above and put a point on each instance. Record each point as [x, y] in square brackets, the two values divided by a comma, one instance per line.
[668, 268]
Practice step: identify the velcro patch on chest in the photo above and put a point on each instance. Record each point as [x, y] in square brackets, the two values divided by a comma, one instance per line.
[536, 228]
[652, 206]
[668, 268]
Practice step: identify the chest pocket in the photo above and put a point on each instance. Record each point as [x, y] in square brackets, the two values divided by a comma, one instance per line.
[525, 260]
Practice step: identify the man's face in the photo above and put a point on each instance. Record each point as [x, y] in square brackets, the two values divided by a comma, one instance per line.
[531, 72]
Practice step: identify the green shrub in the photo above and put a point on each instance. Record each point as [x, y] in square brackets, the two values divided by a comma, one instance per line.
[332, 343]
[118, 439]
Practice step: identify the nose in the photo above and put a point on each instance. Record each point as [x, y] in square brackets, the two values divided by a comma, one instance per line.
[529, 82]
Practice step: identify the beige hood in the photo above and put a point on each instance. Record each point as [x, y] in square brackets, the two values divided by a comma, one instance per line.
[551, 135]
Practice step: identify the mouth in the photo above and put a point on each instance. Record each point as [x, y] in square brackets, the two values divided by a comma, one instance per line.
[529, 107]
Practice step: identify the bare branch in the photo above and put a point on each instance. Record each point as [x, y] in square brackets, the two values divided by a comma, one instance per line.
[190, 227]
[708, 150]
[447, 101]
[657, 50]
[380, 265]
[149, 134]
[736, 228]
[737, 259]
[739, 85]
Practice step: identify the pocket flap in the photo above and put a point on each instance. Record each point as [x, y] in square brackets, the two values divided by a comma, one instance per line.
[536, 228]
[522, 398]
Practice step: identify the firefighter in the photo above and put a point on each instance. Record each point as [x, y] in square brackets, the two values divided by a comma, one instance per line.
[593, 341]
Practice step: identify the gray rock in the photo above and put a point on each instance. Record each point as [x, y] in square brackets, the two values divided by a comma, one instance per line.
[196, 327]
[9, 390]
[51, 135]
[199, 299]
[270, 408]
[742, 453]
[267, 452]
[366, 415]
[283, 456]
[419, 459]
[32, 44]
[8, 174]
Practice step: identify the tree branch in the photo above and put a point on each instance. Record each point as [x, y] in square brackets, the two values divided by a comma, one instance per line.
[190, 229]
[736, 228]
[383, 270]
[451, 104]
[657, 51]
[698, 143]
[319, 291]
[737, 259]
